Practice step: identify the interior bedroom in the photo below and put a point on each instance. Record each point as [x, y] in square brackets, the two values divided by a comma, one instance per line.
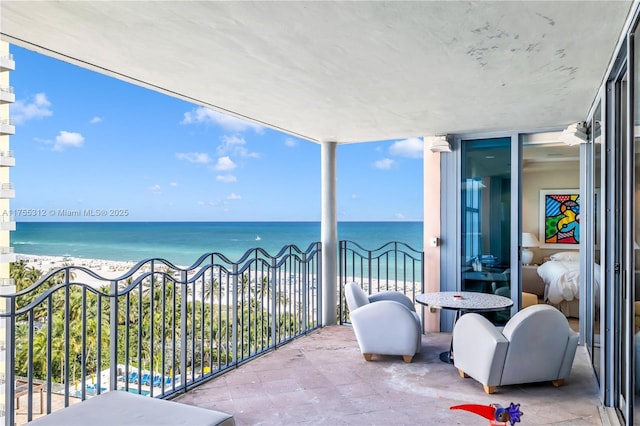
[550, 223]
[549, 216]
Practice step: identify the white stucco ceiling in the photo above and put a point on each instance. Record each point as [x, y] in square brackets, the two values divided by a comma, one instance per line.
[343, 71]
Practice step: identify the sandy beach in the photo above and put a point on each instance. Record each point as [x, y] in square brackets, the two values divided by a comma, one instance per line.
[108, 269]
[46, 263]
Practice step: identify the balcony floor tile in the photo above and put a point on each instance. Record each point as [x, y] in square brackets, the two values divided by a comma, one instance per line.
[323, 379]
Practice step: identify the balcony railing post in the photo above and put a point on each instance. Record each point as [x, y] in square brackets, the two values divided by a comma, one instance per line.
[9, 372]
[422, 288]
[113, 336]
[395, 267]
[234, 314]
[319, 285]
[369, 272]
[183, 328]
[67, 342]
[341, 279]
[305, 292]
[274, 312]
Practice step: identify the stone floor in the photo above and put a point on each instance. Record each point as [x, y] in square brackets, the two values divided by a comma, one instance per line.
[322, 379]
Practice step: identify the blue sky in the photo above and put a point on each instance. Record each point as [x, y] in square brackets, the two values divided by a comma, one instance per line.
[87, 142]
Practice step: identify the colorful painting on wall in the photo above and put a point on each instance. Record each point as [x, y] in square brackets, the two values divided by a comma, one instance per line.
[560, 218]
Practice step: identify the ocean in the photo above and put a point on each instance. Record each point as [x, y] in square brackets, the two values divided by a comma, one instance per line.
[183, 242]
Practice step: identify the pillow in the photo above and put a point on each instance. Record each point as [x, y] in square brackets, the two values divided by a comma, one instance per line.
[566, 256]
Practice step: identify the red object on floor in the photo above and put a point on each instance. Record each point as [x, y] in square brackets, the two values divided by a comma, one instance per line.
[495, 413]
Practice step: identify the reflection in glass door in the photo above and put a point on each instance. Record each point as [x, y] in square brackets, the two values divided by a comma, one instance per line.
[486, 218]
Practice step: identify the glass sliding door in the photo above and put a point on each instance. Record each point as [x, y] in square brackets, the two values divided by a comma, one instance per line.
[593, 332]
[634, 295]
[634, 290]
[486, 217]
[617, 251]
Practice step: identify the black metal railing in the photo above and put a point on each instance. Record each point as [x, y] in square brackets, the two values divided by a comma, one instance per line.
[158, 329]
[394, 266]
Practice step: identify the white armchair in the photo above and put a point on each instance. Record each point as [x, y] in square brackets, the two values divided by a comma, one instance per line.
[384, 323]
[536, 345]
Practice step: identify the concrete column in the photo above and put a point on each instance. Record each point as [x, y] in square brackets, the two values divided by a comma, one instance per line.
[431, 229]
[329, 233]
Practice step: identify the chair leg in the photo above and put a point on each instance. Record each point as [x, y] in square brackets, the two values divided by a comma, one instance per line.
[367, 357]
[407, 358]
[558, 383]
[489, 389]
[463, 374]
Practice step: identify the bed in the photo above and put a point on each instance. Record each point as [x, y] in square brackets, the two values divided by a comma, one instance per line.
[561, 275]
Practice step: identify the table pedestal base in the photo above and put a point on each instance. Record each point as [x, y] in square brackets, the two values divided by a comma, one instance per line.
[446, 357]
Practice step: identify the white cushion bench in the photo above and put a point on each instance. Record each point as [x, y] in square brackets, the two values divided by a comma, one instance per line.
[127, 409]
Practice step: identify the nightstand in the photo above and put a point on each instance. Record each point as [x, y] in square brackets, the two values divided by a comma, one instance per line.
[531, 281]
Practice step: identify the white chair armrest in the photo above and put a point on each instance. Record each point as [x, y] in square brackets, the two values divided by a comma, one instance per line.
[396, 296]
[479, 349]
[386, 327]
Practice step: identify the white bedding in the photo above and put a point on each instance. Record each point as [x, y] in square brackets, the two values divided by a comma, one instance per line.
[562, 279]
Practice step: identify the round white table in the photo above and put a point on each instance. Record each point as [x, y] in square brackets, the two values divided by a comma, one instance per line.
[463, 302]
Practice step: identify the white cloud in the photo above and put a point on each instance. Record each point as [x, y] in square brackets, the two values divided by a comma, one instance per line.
[411, 148]
[68, 139]
[39, 107]
[173, 184]
[226, 178]
[95, 120]
[291, 143]
[200, 203]
[233, 196]
[384, 164]
[224, 164]
[194, 157]
[399, 216]
[203, 115]
[235, 145]
[155, 189]
[355, 197]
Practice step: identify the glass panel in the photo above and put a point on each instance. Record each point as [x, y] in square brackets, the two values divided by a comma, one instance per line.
[620, 293]
[593, 339]
[486, 218]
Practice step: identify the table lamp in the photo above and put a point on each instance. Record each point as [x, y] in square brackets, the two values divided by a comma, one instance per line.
[528, 240]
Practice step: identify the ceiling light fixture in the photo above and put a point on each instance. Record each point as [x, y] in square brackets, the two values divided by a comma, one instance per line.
[575, 134]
